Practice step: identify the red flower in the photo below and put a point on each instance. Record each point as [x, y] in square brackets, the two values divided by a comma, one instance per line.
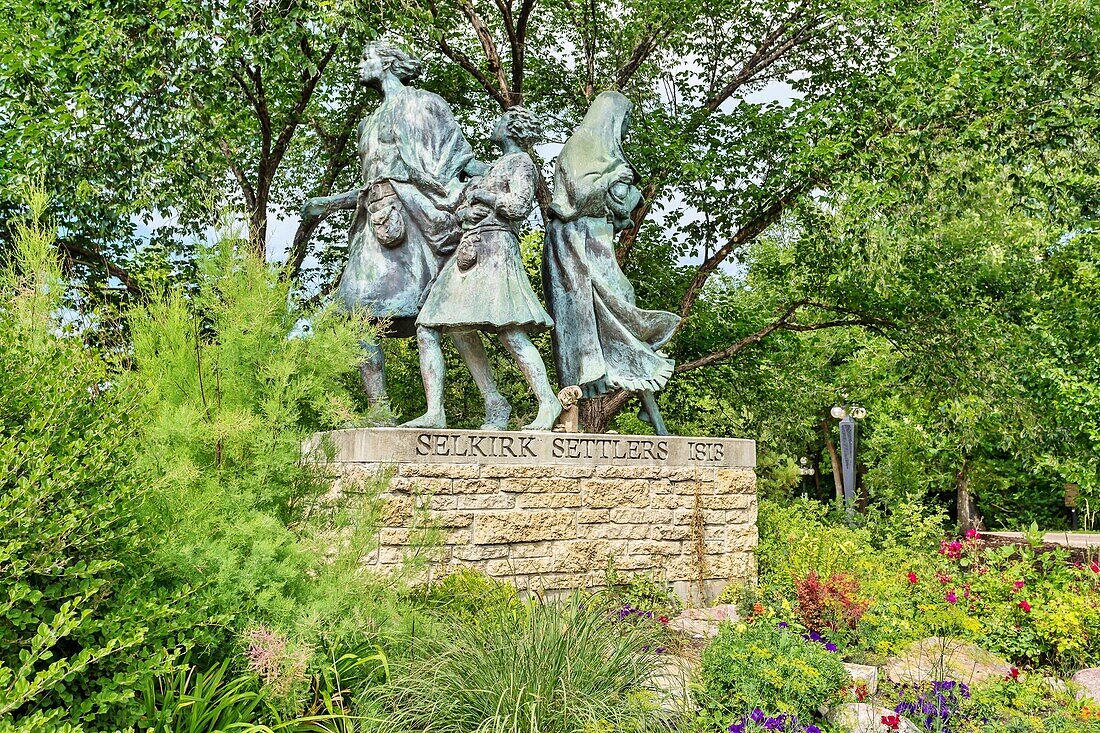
[663, 619]
[912, 577]
[1013, 674]
[1017, 585]
[1025, 606]
[893, 722]
[1095, 566]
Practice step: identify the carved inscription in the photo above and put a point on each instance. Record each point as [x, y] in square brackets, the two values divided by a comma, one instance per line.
[417, 445]
[475, 446]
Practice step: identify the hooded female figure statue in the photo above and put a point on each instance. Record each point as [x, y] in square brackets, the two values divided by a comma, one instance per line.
[602, 340]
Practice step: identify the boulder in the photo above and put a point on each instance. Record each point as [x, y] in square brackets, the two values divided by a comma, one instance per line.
[862, 673]
[1089, 682]
[671, 682]
[860, 717]
[940, 658]
[702, 623]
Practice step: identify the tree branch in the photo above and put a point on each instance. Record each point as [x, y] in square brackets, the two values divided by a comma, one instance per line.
[472, 69]
[496, 68]
[746, 233]
[78, 253]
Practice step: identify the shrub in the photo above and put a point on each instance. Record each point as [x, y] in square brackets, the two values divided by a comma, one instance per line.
[466, 595]
[85, 615]
[833, 604]
[229, 390]
[762, 666]
[558, 668]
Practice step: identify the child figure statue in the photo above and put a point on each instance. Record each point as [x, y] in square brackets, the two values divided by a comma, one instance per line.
[483, 287]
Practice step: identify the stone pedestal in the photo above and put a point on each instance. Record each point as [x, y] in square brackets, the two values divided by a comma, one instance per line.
[551, 511]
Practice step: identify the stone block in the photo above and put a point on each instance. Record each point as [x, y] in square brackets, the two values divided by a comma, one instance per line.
[641, 516]
[580, 555]
[628, 472]
[534, 485]
[486, 501]
[531, 549]
[475, 486]
[519, 470]
[660, 548]
[453, 520]
[415, 485]
[524, 526]
[600, 493]
[678, 533]
[678, 474]
[720, 501]
[547, 500]
[473, 553]
[593, 516]
[437, 470]
[736, 481]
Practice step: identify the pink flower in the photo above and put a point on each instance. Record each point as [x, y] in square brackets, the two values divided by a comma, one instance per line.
[951, 597]
[912, 577]
[1025, 606]
[1017, 586]
[973, 534]
[952, 549]
[944, 579]
[1095, 566]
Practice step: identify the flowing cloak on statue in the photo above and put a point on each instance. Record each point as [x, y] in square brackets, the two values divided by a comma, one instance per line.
[602, 340]
[412, 151]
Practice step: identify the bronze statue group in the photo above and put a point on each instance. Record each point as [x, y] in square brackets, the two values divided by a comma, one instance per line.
[434, 248]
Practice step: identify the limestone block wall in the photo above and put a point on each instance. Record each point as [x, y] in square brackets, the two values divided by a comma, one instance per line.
[553, 527]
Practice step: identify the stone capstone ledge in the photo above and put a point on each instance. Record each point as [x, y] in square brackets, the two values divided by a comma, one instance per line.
[551, 523]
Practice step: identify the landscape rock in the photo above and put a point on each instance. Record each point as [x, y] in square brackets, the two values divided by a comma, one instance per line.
[702, 623]
[861, 717]
[939, 658]
[863, 673]
[1089, 682]
[671, 684]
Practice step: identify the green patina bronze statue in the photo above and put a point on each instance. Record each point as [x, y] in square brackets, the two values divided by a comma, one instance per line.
[484, 287]
[602, 340]
[414, 161]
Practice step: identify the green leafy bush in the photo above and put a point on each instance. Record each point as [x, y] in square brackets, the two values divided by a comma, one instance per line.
[558, 668]
[85, 616]
[465, 595]
[759, 665]
[231, 384]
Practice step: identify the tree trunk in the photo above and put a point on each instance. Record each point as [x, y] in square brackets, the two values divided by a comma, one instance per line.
[257, 225]
[965, 505]
[594, 415]
[834, 458]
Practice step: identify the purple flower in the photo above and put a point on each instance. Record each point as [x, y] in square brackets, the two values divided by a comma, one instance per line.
[757, 715]
[830, 647]
[812, 729]
[737, 727]
[660, 650]
[783, 624]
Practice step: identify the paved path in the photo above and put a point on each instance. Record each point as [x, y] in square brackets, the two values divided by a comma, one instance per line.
[1067, 539]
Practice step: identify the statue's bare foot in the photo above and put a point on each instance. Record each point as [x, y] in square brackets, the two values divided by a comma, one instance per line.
[497, 412]
[428, 420]
[549, 411]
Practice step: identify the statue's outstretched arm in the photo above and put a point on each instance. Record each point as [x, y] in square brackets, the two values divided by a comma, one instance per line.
[320, 207]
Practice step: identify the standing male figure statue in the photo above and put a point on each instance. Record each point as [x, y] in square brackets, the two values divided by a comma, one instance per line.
[413, 157]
